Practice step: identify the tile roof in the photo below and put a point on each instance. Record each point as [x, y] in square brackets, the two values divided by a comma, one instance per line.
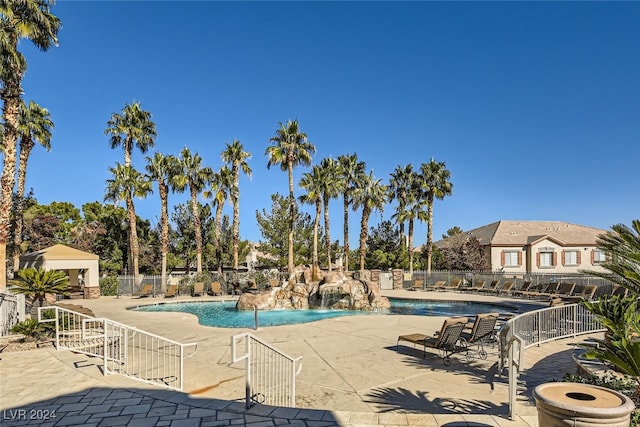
[507, 233]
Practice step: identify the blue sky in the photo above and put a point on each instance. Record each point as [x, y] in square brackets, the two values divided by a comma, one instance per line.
[534, 106]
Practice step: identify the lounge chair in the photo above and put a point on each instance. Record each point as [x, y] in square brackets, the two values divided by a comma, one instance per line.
[493, 286]
[452, 286]
[146, 291]
[587, 293]
[445, 341]
[418, 285]
[505, 290]
[619, 290]
[171, 291]
[542, 290]
[198, 289]
[477, 285]
[216, 288]
[436, 286]
[481, 332]
[564, 289]
[525, 287]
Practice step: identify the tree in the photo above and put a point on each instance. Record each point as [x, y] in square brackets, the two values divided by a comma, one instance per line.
[160, 169]
[330, 189]
[436, 185]
[236, 157]
[32, 20]
[290, 149]
[400, 185]
[384, 247]
[622, 245]
[273, 227]
[133, 127]
[125, 184]
[455, 230]
[350, 173]
[313, 183]
[371, 195]
[414, 210]
[34, 126]
[105, 234]
[36, 283]
[195, 176]
[462, 252]
[221, 185]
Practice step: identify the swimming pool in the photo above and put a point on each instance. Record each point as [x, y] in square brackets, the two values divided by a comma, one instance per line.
[223, 314]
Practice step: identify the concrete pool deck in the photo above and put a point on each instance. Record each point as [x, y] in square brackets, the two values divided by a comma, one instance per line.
[351, 375]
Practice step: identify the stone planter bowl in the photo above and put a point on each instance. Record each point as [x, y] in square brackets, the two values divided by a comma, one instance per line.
[563, 404]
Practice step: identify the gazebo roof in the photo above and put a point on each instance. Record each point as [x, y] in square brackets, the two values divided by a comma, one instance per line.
[59, 252]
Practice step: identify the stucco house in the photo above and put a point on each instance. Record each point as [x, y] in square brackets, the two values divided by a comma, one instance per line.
[540, 246]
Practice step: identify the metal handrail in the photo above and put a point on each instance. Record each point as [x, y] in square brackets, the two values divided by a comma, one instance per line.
[124, 349]
[270, 373]
[537, 327]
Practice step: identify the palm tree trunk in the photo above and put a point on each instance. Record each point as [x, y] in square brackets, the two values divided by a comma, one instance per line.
[218, 235]
[291, 213]
[133, 237]
[197, 228]
[26, 144]
[345, 228]
[410, 246]
[316, 226]
[236, 228]
[164, 222]
[327, 238]
[363, 235]
[429, 234]
[11, 98]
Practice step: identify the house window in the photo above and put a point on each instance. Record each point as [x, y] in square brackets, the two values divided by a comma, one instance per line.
[570, 257]
[598, 256]
[546, 259]
[511, 258]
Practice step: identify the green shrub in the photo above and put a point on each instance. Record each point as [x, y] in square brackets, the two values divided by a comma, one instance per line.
[109, 286]
[30, 328]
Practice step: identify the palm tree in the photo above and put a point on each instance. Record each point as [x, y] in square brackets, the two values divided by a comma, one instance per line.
[622, 246]
[330, 190]
[32, 20]
[221, 186]
[313, 183]
[38, 282]
[399, 187]
[436, 185]
[160, 169]
[290, 148]
[372, 195]
[350, 172]
[133, 127]
[34, 126]
[195, 176]
[415, 209]
[125, 184]
[235, 155]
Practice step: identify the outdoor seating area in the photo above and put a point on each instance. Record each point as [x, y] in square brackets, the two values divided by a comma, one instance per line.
[446, 341]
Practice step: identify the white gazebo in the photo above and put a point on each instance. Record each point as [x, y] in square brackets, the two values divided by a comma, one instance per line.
[72, 261]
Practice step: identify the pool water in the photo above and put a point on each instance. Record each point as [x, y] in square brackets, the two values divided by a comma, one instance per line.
[223, 314]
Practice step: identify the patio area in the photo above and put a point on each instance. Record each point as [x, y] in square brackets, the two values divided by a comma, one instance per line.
[351, 375]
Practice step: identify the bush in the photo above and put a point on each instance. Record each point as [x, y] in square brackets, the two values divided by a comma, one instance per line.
[109, 286]
[30, 328]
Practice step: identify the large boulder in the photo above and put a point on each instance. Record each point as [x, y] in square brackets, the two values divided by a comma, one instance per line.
[335, 290]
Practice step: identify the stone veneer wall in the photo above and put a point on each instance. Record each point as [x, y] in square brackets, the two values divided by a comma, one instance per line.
[398, 278]
[91, 292]
[375, 276]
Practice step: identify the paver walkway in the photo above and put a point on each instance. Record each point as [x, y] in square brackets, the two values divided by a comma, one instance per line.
[40, 384]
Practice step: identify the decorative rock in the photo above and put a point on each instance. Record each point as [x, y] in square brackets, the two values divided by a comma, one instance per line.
[335, 290]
